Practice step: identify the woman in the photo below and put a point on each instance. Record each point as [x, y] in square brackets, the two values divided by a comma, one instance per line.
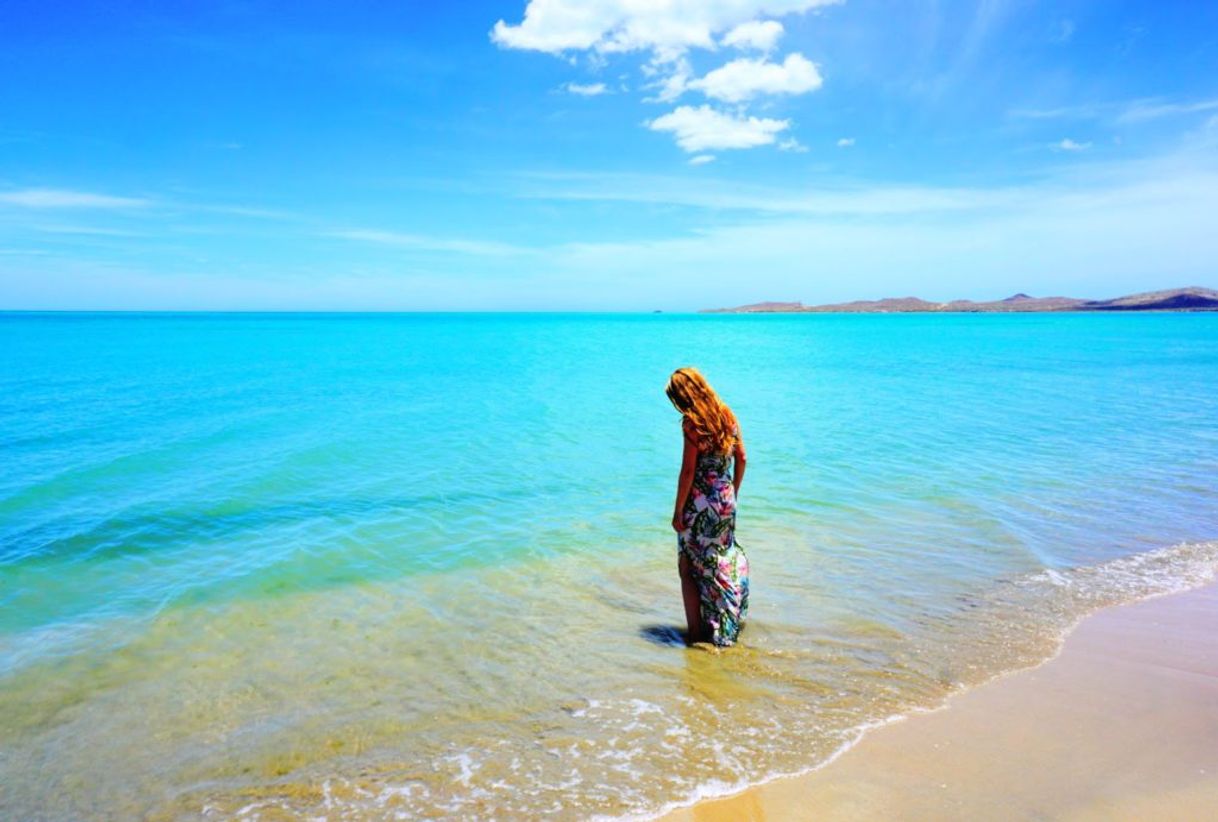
[714, 570]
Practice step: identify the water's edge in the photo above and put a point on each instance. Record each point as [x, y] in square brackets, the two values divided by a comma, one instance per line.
[719, 790]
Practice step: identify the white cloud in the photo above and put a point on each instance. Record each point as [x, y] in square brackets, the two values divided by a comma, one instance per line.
[1127, 112]
[672, 80]
[1070, 145]
[849, 202]
[845, 142]
[791, 144]
[1143, 110]
[761, 35]
[586, 89]
[86, 231]
[1086, 229]
[419, 242]
[666, 31]
[1085, 111]
[1089, 232]
[1076, 185]
[745, 78]
[667, 28]
[59, 198]
[704, 128]
[701, 159]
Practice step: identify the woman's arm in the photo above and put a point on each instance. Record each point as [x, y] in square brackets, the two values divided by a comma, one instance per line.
[689, 460]
[741, 462]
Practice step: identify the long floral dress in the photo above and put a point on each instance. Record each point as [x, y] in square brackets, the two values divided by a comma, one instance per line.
[720, 568]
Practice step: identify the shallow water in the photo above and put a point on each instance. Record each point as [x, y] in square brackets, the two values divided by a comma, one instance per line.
[367, 565]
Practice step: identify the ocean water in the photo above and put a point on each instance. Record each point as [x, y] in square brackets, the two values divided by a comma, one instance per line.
[366, 566]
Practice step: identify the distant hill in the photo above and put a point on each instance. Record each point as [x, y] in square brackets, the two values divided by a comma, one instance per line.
[1175, 299]
[1193, 298]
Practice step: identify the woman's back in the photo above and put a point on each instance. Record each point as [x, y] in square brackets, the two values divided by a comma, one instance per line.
[710, 558]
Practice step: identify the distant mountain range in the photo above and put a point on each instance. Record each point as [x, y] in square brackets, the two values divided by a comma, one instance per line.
[1176, 299]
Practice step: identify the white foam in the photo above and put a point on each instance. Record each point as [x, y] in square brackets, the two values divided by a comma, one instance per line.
[1133, 578]
[615, 774]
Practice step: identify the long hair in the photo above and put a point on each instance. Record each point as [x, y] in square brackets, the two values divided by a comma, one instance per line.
[713, 422]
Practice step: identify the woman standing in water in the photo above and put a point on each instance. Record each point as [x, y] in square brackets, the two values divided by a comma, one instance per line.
[714, 570]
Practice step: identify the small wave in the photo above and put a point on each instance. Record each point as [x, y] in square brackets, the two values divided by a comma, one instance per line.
[699, 728]
[1121, 581]
[1136, 576]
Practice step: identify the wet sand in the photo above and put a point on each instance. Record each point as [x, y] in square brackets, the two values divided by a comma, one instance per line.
[1121, 725]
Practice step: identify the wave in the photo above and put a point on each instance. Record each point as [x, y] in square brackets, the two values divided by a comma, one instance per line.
[1121, 581]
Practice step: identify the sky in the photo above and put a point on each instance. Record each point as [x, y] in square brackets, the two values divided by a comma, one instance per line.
[605, 155]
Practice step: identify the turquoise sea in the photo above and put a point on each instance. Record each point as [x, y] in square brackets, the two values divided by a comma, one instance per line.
[420, 565]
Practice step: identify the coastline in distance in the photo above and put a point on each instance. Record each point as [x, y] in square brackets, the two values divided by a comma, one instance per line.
[1193, 298]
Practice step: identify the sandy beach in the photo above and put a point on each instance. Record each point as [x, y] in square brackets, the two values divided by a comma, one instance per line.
[1121, 725]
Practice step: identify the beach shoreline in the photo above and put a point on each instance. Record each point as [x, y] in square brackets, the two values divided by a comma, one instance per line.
[1120, 723]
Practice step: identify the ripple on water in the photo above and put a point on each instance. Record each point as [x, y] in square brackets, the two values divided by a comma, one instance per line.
[366, 566]
[389, 698]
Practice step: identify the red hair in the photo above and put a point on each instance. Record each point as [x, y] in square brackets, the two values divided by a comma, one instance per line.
[711, 419]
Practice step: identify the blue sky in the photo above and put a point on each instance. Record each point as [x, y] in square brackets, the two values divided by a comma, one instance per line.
[556, 154]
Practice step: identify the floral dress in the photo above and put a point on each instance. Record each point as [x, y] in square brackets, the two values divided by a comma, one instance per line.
[718, 563]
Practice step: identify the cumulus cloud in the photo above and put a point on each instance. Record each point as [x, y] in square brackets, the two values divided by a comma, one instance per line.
[59, 198]
[670, 83]
[665, 32]
[707, 129]
[845, 142]
[1070, 145]
[761, 35]
[586, 89]
[745, 78]
[701, 159]
[668, 29]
